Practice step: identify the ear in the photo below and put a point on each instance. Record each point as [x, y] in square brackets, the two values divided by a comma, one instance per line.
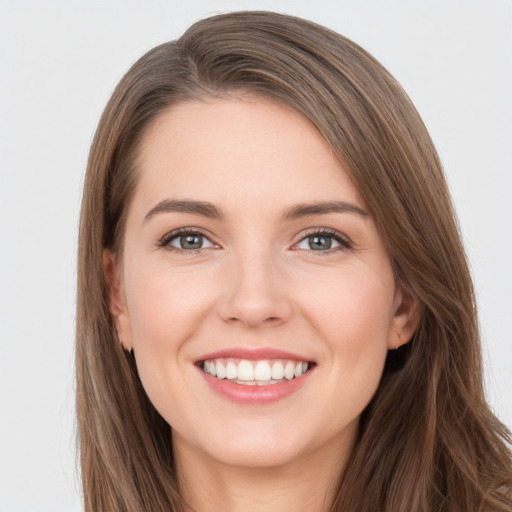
[406, 318]
[117, 301]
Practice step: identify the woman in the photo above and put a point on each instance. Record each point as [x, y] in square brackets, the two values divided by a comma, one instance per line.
[274, 306]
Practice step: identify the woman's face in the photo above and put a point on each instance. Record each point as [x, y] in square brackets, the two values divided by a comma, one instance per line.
[249, 250]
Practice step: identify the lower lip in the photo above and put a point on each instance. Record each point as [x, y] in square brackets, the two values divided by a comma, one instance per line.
[254, 395]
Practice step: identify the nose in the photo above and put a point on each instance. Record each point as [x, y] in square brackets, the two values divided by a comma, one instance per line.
[255, 294]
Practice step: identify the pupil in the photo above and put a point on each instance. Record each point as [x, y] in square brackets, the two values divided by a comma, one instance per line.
[318, 243]
[191, 241]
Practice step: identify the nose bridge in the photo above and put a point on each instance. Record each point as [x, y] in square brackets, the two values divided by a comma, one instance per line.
[255, 291]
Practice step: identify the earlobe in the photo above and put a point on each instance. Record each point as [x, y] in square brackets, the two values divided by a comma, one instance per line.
[117, 304]
[406, 319]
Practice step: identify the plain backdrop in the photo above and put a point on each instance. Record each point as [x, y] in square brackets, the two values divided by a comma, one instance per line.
[59, 62]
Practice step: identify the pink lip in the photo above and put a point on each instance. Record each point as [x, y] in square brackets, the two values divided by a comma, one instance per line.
[254, 395]
[252, 354]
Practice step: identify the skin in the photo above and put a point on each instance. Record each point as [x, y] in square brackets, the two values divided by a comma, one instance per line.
[256, 282]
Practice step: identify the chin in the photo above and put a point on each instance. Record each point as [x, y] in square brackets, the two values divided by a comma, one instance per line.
[255, 456]
[258, 445]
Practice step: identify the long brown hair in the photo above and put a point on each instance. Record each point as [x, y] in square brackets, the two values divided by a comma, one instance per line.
[427, 441]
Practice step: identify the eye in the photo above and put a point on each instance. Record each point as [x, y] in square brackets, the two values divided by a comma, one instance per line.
[186, 241]
[323, 241]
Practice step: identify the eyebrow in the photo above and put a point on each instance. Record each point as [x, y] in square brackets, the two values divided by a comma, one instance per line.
[185, 206]
[211, 211]
[322, 207]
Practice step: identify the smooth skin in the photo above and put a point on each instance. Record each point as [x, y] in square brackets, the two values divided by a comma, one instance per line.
[254, 276]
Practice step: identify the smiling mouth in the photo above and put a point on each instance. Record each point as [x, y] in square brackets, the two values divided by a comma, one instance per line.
[255, 373]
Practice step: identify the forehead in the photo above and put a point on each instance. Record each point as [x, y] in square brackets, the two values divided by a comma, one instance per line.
[248, 148]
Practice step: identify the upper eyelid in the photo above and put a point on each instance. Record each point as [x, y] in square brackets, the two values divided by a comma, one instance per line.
[180, 231]
[328, 231]
[324, 231]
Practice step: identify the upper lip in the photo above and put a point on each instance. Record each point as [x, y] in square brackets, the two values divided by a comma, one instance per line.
[252, 354]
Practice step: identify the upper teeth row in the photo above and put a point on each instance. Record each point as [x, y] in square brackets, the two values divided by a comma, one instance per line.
[255, 370]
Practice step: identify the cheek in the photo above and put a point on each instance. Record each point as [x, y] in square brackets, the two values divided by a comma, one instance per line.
[166, 306]
[351, 299]
[352, 312]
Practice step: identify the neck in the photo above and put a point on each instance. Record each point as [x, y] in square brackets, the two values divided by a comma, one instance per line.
[306, 484]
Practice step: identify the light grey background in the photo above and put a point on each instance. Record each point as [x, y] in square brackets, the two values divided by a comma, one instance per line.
[59, 62]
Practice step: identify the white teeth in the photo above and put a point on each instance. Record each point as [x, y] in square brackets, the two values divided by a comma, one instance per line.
[245, 370]
[262, 371]
[219, 368]
[277, 370]
[253, 373]
[231, 371]
[289, 370]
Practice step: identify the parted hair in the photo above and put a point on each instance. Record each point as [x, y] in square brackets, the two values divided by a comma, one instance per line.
[427, 441]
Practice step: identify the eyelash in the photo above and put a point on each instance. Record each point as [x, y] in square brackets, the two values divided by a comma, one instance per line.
[169, 237]
[344, 242]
